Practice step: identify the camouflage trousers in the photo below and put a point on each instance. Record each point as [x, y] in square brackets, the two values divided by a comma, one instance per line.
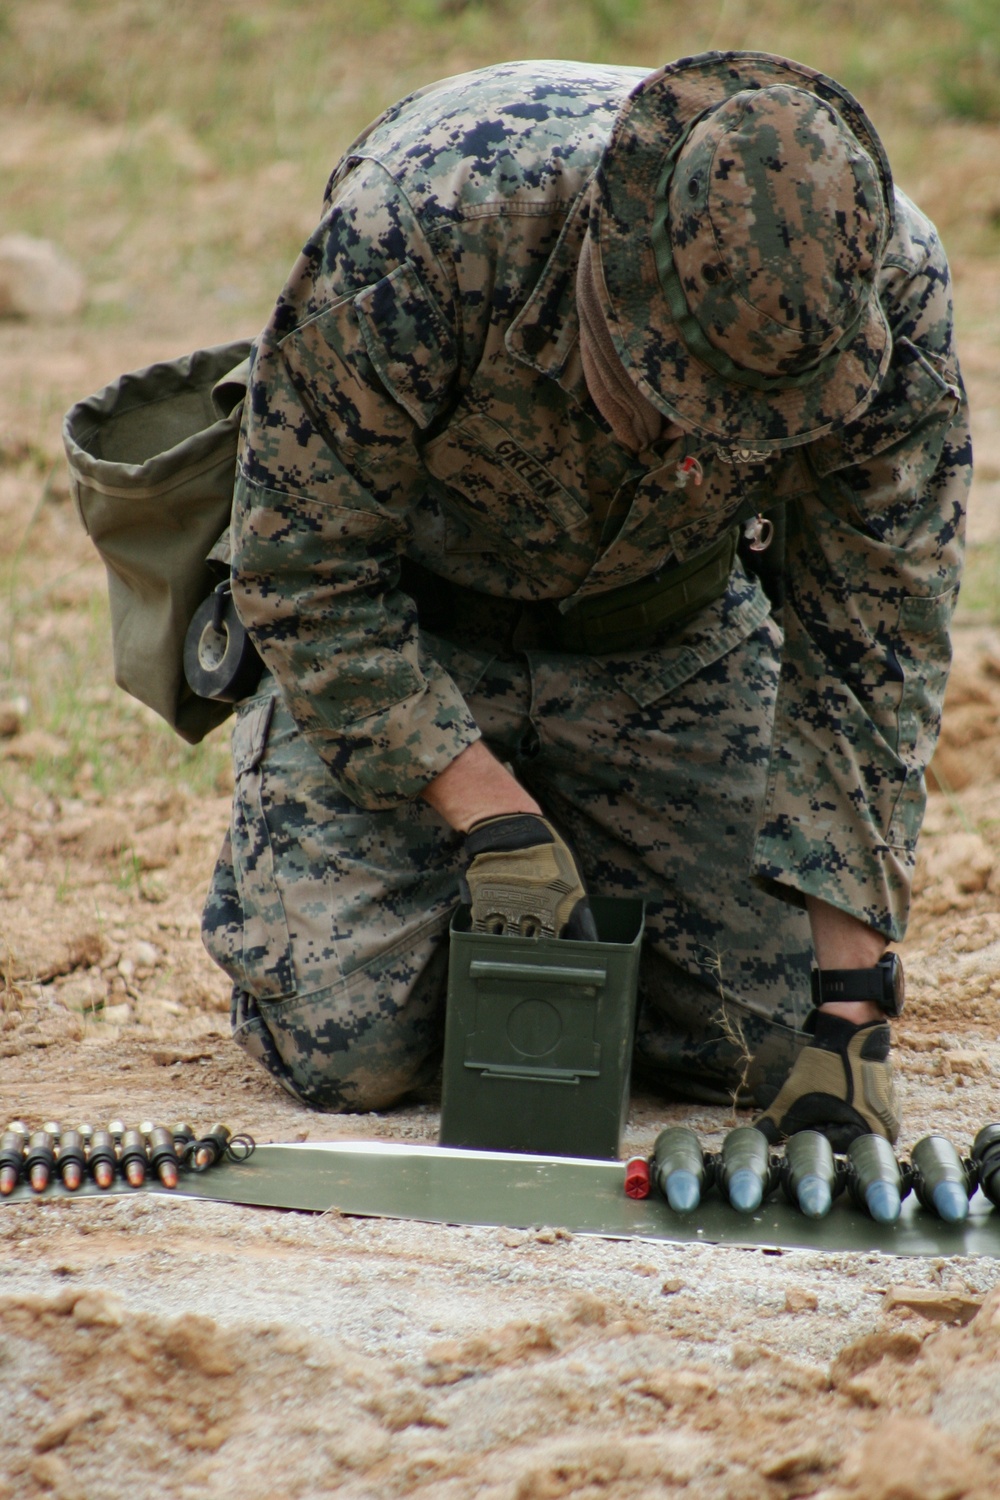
[332, 922]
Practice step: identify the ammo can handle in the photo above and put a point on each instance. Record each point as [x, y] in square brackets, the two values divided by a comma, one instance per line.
[482, 968]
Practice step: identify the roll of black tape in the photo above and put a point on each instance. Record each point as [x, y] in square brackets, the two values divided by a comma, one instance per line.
[220, 659]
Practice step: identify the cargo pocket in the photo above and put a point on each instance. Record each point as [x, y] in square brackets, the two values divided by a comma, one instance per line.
[266, 969]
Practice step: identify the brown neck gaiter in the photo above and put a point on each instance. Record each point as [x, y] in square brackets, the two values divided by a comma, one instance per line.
[634, 421]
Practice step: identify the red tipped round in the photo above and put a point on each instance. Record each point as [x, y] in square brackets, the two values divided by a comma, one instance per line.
[39, 1178]
[204, 1157]
[168, 1174]
[637, 1177]
[72, 1176]
[135, 1172]
[104, 1174]
[8, 1180]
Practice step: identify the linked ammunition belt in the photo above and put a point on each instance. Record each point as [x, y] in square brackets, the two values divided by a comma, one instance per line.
[130, 1155]
[746, 1171]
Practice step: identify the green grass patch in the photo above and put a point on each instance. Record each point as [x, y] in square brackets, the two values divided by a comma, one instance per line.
[100, 738]
[979, 600]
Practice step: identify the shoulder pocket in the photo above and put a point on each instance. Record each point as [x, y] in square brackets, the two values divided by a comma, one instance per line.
[408, 342]
[915, 385]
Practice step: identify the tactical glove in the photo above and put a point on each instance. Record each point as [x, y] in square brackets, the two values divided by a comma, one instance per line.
[841, 1085]
[523, 879]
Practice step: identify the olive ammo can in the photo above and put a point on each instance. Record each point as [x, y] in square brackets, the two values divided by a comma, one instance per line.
[538, 1037]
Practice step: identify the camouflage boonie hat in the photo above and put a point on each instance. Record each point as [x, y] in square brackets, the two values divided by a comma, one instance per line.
[744, 206]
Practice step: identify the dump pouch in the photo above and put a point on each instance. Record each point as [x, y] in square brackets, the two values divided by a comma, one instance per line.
[152, 462]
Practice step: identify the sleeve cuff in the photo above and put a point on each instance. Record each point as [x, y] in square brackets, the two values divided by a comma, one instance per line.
[792, 861]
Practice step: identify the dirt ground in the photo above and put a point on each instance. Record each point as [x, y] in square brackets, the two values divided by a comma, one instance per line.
[184, 1349]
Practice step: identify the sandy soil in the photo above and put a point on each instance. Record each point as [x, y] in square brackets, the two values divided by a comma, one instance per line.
[183, 1349]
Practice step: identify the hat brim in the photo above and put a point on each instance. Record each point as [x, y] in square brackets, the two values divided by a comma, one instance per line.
[653, 121]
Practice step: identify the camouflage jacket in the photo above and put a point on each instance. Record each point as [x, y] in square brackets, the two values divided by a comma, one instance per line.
[418, 391]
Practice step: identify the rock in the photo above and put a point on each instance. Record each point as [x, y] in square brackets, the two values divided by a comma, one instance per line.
[56, 1433]
[37, 280]
[964, 858]
[56, 955]
[34, 744]
[98, 1309]
[166, 1057]
[155, 848]
[597, 1465]
[810, 1458]
[965, 1064]
[588, 1310]
[987, 1323]
[909, 1459]
[678, 1387]
[146, 955]
[13, 712]
[197, 1344]
[53, 1474]
[800, 1299]
[898, 1344]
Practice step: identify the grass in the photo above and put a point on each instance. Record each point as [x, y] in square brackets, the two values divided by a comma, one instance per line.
[100, 740]
[979, 600]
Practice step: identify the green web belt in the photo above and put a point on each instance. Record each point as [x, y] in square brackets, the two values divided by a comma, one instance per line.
[441, 1185]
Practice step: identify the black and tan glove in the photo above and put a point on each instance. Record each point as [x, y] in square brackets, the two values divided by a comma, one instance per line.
[523, 879]
[841, 1085]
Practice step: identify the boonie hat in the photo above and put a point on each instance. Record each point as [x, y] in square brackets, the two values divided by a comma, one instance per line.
[744, 206]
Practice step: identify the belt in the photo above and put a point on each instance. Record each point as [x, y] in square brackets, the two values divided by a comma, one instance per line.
[627, 618]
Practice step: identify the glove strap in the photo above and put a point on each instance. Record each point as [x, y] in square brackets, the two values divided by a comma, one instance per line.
[506, 832]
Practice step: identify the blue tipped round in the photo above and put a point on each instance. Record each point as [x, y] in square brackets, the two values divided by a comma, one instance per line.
[951, 1202]
[683, 1192]
[883, 1202]
[814, 1197]
[746, 1191]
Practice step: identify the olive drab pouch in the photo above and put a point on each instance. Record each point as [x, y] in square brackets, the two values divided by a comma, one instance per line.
[152, 461]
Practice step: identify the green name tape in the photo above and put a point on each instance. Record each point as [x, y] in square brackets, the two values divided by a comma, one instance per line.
[442, 1185]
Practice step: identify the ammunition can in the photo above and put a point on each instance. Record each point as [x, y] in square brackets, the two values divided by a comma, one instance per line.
[538, 1036]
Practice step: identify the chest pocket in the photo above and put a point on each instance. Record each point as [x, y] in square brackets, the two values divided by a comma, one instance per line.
[507, 493]
[686, 518]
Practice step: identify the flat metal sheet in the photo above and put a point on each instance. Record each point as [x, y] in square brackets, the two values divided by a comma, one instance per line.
[443, 1185]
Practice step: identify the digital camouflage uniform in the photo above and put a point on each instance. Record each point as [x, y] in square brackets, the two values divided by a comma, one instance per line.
[419, 438]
